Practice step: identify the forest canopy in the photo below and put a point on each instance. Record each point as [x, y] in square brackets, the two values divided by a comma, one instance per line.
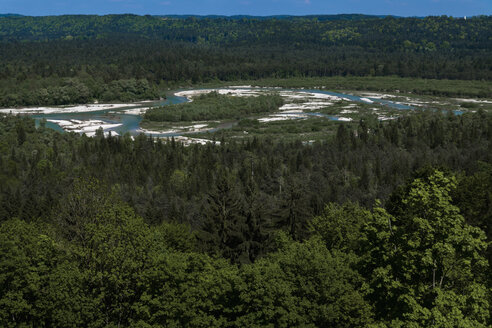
[44, 53]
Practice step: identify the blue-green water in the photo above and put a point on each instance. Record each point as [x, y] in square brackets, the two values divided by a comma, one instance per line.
[378, 101]
[131, 123]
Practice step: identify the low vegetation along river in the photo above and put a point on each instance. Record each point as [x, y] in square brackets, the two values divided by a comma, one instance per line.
[125, 118]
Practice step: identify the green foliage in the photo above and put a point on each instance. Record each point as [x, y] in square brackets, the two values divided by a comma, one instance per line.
[340, 227]
[111, 261]
[80, 208]
[126, 275]
[304, 284]
[225, 221]
[293, 208]
[412, 33]
[213, 106]
[188, 290]
[474, 198]
[236, 222]
[74, 90]
[174, 236]
[423, 262]
[28, 256]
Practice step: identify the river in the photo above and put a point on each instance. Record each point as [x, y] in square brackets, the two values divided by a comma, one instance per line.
[131, 122]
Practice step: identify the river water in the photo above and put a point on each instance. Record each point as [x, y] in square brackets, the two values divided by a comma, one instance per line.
[131, 123]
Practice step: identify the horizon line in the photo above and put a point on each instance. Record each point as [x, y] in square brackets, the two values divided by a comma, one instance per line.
[243, 15]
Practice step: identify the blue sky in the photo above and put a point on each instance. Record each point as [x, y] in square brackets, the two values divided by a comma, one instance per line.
[455, 8]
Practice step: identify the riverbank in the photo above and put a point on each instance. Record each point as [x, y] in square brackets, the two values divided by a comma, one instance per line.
[85, 108]
[382, 84]
[311, 111]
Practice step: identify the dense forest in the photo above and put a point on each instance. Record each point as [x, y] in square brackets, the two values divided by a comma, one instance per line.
[385, 224]
[213, 106]
[103, 57]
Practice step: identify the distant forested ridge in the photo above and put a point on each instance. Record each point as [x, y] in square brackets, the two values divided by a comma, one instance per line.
[370, 32]
[286, 17]
[43, 53]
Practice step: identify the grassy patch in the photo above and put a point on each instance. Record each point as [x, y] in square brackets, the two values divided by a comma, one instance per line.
[316, 128]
